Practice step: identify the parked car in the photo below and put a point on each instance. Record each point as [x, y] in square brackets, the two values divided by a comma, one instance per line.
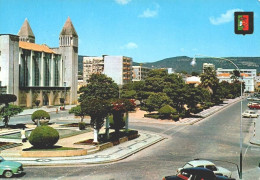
[254, 106]
[196, 174]
[253, 103]
[253, 99]
[9, 168]
[250, 114]
[208, 165]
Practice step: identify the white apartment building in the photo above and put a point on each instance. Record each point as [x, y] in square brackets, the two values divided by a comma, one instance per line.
[119, 68]
[248, 77]
[140, 72]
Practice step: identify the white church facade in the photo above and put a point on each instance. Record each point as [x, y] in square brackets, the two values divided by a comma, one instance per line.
[38, 72]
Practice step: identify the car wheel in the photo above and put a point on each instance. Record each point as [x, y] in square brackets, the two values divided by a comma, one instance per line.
[8, 174]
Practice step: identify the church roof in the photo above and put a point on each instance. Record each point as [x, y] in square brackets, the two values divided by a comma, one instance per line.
[26, 29]
[35, 47]
[68, 29]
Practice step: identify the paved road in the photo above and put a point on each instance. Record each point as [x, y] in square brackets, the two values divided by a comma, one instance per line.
[216, 137]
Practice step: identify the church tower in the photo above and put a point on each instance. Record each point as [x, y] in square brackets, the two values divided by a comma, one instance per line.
[25, 33]
[68, 47]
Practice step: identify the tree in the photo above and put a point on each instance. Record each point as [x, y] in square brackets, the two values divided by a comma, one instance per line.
[209, 80]
[176, 90]
[155, 101]
[97, 109]
[100, 86]
[77, 111]
[8, 110]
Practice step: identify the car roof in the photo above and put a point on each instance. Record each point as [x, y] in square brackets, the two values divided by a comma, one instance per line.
[200, 162]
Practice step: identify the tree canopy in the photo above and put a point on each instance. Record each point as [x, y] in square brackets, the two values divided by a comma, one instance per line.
[100, 86]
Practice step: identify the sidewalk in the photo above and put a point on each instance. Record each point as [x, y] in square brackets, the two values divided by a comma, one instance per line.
[207, 112]
[47, 109]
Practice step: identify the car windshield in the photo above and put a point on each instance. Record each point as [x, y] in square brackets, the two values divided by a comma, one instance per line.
[187, 166]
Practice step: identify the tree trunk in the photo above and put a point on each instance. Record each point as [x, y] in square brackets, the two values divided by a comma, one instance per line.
[6, 120]
[96, 131]
[107, 127]
[126, 121]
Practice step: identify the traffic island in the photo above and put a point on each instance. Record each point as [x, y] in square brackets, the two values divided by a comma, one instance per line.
[56, 151]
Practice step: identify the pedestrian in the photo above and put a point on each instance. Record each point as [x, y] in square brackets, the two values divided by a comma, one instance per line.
[57, 110]
[23, 137]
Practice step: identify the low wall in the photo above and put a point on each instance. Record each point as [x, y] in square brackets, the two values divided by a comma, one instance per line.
[58, 153]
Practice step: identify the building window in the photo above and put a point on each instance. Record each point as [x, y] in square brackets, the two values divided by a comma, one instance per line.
[56, 72]
[36, 71]
[47, 71]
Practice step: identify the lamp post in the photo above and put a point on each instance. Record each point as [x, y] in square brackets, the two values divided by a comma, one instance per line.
[193, 63]
[64, 93]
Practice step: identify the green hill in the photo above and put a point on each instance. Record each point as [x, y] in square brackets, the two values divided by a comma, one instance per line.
[182, 63]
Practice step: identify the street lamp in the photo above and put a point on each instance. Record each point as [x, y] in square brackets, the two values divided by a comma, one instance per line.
[193, 63]
[64, 93]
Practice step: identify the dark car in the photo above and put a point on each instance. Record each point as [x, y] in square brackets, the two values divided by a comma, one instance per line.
[196, 174]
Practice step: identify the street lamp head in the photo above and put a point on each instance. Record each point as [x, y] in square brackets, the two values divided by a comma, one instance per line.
[193, 62]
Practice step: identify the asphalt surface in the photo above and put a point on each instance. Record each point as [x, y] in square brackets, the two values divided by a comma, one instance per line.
[216, 137]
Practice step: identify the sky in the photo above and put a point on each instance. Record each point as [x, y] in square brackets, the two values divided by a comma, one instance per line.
[146, 30]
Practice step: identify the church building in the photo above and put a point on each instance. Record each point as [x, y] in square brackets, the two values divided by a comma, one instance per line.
[37, 72]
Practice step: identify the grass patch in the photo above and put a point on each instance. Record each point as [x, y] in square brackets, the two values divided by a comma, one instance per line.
[54, 148]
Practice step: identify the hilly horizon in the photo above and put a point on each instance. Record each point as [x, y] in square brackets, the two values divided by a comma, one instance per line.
[182, 63]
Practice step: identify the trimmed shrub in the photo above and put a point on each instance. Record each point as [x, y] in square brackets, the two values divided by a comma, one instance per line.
[175, 117]
[82, 125]
[166, 111]
[40, 114]
[7, 98]
[44, 137]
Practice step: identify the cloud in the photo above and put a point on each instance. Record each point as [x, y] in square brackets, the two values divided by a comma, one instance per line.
[123, 2]
[130, 45]
[148, 13]
[224, 18]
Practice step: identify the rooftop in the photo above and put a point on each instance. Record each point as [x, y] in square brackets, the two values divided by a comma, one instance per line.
[35, 47]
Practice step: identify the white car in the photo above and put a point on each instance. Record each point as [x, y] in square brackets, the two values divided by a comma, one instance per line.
[208, 165]
[250, 114]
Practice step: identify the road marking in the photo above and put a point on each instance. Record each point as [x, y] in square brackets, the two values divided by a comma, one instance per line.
[173, 128]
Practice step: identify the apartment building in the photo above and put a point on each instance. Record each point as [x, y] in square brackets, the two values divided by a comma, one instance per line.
[140, 72]
[248, 77]
[92, 65]
[119, 68]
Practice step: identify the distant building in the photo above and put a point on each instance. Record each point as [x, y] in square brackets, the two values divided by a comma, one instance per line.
[208, 65]
[119, 68]
[248, 77]
[170, 71]
[37, 72]
[140, 72]
[193, 80]
[257, 82]
[92, 65]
